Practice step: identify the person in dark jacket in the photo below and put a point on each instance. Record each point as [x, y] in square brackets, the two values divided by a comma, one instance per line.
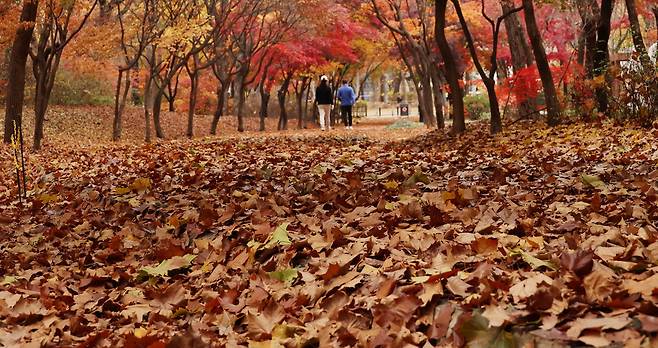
[347, 99]
[324, 98]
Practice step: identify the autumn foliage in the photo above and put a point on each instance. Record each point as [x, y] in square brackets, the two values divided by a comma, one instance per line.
[164, 183]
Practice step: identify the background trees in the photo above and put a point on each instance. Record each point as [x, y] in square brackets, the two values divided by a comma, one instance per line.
[542, 59]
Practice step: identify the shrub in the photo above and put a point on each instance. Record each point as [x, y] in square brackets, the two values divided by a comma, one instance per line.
[73, 88]
[634, 94]
[477, 106]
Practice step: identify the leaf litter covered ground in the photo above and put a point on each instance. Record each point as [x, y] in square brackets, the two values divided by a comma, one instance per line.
[539, 237]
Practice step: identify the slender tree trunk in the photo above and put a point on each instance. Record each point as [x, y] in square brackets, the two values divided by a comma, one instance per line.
[264, 104]
[487, 78]
[397, 85]
[240, 94]
[602, 53]
[438, 97]
[120, 98]
[148, 106]
[552, 103]
[452, 76]
[636, 32]
[219, 110]
[496, 121]
[45, 81]
[39, 117]
[306, 100]
[654, 9]
[589, 14]
[194, 79]
[281, 95]
[157, 108]
[421, 101]
[521, 52]
[428, 100]
[172, 92]
[15, 95]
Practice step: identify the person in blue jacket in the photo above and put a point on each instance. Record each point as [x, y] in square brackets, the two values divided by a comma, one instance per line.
[347, 99]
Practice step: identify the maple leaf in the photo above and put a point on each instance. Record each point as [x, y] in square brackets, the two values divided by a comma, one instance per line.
[278, 237]
[285, 275]
[166, 266]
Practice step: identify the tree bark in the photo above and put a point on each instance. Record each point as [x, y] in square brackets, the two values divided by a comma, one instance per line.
[120, 99]
[428, 100]
[240, 94]
[281, 95]
[458, 123]
[636, 32]
[299, 95]
[602, 53]
[222, 88]
[654, 9]
[171, 93]
[589, 14]
[438, 97]
[264, 104]
[15, 95]
[45, 68]
[397, 85]
[194, 90]
[552, 103]
[157, 108]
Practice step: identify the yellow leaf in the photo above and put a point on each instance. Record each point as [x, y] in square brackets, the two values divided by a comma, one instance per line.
[46, 198]
[122, 190]
[141, 184]
[391, 185]
[140, 332]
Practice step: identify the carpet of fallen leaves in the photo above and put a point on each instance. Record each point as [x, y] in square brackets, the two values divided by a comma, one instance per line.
[85, 126]
[536, 238]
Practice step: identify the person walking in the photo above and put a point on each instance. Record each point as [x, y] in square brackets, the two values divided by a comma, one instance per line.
[347, 99]
[324, 98]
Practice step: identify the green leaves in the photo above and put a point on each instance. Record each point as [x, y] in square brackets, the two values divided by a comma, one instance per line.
[166, 266]
[279, 236]
[592, 181]
[534, 262]
[287, 275]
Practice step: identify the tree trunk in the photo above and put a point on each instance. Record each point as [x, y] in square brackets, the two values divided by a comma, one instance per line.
[39, 119]
[15, 95]
[654, 9]
[521, 52]
[589, 14]
[306, 100]
[172, 91]
[428, 100]
[281, 95]
[452, 76]
[219, 110]
[438, 97]
[397, 86]
[552, 103]
[636, 32]
[194, 90]
[120, 99]
[496, 121]
[264, 105]
[148, 106]
[157, 108]
[240, 93]
[46, 71]
[602, 53]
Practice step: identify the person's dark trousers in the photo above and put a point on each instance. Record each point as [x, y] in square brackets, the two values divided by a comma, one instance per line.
[346, 114]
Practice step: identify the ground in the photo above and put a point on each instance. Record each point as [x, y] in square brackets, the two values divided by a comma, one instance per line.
[536, 237]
